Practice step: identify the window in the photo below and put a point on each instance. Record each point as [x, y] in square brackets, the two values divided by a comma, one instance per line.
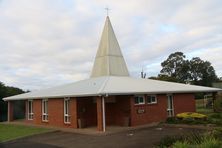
[30, 110]
[66, 110]
[170, 110]
[151, 99]
[139, 99]
[45, 110]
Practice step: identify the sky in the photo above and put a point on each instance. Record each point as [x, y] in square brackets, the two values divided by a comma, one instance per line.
[46, 43]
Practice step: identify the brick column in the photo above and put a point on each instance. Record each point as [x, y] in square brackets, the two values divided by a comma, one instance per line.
[99, 114]
[10, 111]
[26, 109]
[132, 110]
[74, 114]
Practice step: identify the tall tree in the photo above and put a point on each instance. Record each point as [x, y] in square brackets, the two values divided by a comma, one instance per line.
[202, 72]
[195, 71]
[176, 67]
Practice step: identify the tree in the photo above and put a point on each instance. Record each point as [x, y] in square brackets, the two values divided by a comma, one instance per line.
[202, 72]
[176, 67]
[195, 71]
[6, 91]
[163, 77]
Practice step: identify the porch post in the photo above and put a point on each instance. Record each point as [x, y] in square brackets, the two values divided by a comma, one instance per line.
[10, 111]
[104, 118]
[100, 113]
[26, 110]
[214, 95]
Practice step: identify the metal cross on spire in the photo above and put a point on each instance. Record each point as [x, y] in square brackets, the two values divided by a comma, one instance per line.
[107, 11]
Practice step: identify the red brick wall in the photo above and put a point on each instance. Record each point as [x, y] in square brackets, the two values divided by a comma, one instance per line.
[153, 112]
[118, 111]
[10, 111]
[158, 112]
[99, 114]
[55, 113]
[184, 103]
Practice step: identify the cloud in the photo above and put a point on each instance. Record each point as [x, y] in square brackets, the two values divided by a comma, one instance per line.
[46, 42]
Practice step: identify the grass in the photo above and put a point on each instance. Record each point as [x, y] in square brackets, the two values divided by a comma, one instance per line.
[10, 132]
[200, 107]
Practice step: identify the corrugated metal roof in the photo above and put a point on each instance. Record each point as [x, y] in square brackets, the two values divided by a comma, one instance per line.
[112, 85]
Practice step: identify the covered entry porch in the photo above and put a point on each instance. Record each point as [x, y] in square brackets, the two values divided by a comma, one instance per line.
[103, 111]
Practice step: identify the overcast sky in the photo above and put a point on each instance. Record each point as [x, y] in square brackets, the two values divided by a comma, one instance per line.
[45, 43]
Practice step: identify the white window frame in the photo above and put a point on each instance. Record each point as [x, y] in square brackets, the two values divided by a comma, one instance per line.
[170, 111]
[30, 112]
[67, 111]
[140, 103]
[152, 102]
[45, 110]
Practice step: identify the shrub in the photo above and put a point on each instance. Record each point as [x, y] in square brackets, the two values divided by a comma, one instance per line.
[191, 138]
[194, 139]
[172, 120]
[210, 143]
[215, 118]
[191, 115]
[217, 133]
[179, 144]
[167, 141]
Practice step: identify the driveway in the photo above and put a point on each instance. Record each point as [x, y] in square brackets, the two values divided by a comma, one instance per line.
[140, 138]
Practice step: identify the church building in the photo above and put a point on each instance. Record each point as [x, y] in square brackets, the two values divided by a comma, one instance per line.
[109, 97]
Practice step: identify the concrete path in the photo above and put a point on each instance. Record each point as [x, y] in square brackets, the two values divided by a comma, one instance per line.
[139, 138]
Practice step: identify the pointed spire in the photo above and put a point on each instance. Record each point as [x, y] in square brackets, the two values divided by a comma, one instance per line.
[109, 60]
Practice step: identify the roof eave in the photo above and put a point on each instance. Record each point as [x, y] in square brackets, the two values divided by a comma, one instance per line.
[108, 93]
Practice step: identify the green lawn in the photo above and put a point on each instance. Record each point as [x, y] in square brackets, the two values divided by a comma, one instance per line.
[10, 132]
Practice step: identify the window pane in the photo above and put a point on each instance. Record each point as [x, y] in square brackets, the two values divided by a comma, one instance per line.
[153, 99]
[141, 99]
[45, 110]
[148, 99]
[46, 107]
[29, 106]
[67, 107]
[136, 100]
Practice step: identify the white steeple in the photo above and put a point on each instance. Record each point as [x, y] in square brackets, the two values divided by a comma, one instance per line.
[109, 60]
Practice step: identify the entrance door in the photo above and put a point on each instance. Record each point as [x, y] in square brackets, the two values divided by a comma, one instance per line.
[170, 111]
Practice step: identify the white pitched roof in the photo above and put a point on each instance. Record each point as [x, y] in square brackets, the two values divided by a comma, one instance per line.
[113, 85]
[109, 60]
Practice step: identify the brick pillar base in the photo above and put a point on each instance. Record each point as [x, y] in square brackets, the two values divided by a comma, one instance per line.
[99, 114]
[10, 111]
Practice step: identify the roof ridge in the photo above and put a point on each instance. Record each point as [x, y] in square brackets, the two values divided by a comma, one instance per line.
[103, 86]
